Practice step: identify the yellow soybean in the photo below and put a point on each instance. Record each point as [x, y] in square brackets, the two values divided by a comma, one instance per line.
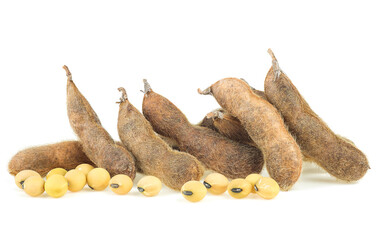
[193, 191]
[216, 183]
[98, 179]
[34, 186]
[76, 180]
[23, 175]
[60, 171]
[56, 186]
[239, 188]
[121, 184]
[149, 186]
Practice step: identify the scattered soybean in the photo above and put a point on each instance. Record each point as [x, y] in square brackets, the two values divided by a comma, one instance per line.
[239, 188]
[149, 186]
[23, 175]
[56, 186]
[76, 180]
[34, 186]
[60, 171]
[267, 188]
[121, 184]
[194, 191]
[216, 183]
[253, 179]
[98, 179]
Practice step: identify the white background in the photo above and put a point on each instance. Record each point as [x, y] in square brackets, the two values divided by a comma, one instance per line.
[327, 48]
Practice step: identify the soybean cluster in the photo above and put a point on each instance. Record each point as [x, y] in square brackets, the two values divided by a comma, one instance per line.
[58, 181]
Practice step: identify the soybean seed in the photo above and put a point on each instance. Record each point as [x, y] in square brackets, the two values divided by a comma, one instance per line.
[149, 186]
[239, 188]
[23, 175]
[121, 184]
[216, 183]
[193, 191]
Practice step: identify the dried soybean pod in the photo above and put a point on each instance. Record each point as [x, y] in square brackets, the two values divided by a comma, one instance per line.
[337, 155]
[216, 152]
[153, 155]
[96, 141]
[226, 124]
[67, 155]
[42, 159]
[264, 125]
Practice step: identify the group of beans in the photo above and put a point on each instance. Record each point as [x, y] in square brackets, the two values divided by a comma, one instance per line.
[217, 184]
[59, 181]
[275, 128]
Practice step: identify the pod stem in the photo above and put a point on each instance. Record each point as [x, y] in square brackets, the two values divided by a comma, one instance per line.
[147, 86]
[124, 95]
[68, 73]
[206, 91]
[275, 64]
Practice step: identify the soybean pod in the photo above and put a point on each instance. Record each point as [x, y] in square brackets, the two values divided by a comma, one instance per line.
[42, 159]
[264, 125]
[153, 155]
[216, 152]
[224, 123]
[335, 154]
[97, 143]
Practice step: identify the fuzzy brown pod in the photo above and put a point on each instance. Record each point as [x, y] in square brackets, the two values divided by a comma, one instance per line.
[42, 159]
[264, 125]
[335, 154]
[66, 155]
[96, 141]
[224, 123]
[227, 125]
[216, 152]
[153, 155]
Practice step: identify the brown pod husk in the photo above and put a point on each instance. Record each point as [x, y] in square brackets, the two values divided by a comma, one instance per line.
[227, 125]
[335, 154]
[224, 123]
[42, 159]
[216, 152]
[96, 141]
[264, 125]
[67, 155]
[153, 155]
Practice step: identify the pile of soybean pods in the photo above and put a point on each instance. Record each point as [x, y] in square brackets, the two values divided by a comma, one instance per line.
[59, 181]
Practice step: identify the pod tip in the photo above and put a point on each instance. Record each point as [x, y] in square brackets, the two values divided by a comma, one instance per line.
[206, 91]
[147, 86]
[124, 94]
[67, 72]
[271, 54]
